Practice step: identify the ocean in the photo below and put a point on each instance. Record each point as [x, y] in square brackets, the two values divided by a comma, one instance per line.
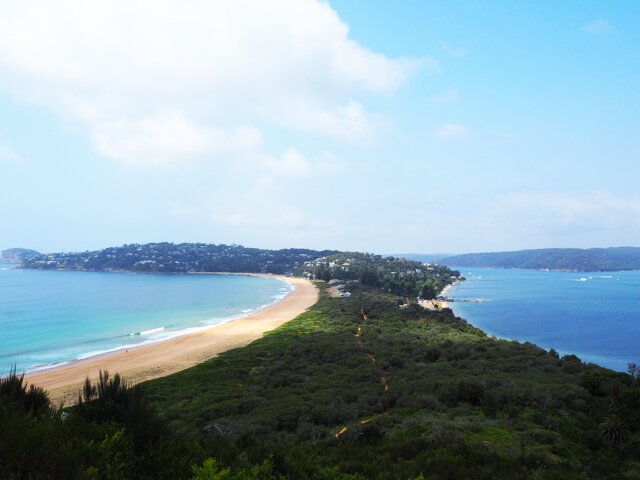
[49, 318]
[595, 316]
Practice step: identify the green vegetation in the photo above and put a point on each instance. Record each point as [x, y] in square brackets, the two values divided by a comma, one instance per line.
[113, 434]
[359, 388]
[574, 259]
[397, 276]
[422, 257]
[394, 275]
[180, 258]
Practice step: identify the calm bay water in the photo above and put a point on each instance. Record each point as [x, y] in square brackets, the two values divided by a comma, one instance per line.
[53, 317]
[595, 316]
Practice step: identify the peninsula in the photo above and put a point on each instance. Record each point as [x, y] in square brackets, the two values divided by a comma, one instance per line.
[365, 383]
[17, 255]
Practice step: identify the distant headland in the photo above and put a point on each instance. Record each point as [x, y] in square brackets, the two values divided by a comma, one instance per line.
[17, 255]
[399, 276]
[567, 259]
[167, 257]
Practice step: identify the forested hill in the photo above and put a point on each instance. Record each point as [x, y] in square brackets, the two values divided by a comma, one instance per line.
[178, 258]
[356, 388]
[393, 275]
[574, 259]
[16, 255]
[397, 276]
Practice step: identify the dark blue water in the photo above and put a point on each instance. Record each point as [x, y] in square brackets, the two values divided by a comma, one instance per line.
[593, 315]
[53, 317]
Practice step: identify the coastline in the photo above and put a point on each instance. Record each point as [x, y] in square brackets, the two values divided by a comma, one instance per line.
[561, 311]
[145, 362]
[436, 305]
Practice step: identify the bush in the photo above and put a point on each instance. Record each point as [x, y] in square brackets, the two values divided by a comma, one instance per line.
[112, 399]
[14, 391]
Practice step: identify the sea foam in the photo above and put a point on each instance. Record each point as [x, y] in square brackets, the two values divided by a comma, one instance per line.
[151, 331]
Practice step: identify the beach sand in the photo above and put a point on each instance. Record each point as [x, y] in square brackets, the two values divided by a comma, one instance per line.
[157, 360]
[436, 305]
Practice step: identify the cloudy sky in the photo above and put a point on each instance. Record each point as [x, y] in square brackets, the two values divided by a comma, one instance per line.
[389, 126]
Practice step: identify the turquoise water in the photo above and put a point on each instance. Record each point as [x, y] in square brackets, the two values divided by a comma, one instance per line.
[595, 316]
[48, 318]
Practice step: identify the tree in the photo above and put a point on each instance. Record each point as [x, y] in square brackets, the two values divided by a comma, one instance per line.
[369, 277]
[613, 432]
[634, 371]
[428, 291]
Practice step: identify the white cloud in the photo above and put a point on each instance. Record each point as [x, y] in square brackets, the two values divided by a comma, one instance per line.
[161, 82]
[293, 164]
[451, 131]
[167, 137]
[449, 96]
[451, 50]
[253, 216]
[529, 219]
[349, 122]
[576, 213]
[328, 164]
[274, 218]
[179, 209]
[7, 155]
[597, 26]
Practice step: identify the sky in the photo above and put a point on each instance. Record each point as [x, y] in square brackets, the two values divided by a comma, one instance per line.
[413, 126]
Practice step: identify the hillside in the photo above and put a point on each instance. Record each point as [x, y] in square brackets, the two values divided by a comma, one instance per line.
[17, 255]
[397, 276]
[363, 386]
[360, 388]
[394, 275]
[573, 259]
[421, 257]
[178, 258]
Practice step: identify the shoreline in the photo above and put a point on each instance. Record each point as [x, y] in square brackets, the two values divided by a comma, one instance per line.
[607, 360]
[145, 362]
[435, 305]
[223, 321]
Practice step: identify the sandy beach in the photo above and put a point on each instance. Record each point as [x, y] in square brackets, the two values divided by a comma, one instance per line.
[436, 305]
[157, 360]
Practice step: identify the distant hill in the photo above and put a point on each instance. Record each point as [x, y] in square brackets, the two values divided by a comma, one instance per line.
[420, 257]
[573, 259]
[178, 258]
[17, 255]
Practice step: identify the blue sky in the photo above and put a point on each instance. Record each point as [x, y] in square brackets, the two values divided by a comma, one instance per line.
[377, 126]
